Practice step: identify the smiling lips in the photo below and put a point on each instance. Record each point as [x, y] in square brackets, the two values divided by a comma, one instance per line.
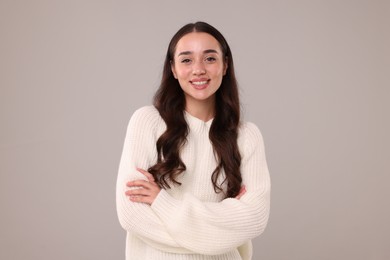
[200, 83]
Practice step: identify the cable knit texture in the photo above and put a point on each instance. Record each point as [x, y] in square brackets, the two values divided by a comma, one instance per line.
[191, 221]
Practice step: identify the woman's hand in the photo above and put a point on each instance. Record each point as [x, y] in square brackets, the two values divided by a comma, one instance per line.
[145, 191]
[241, 193]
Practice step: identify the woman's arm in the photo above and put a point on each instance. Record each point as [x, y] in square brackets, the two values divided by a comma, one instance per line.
[218, 227]
[139, 151]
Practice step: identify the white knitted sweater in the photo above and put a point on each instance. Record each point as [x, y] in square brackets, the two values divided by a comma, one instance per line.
[191, 221]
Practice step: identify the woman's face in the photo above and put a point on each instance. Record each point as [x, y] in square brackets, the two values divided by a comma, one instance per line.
[199, 66]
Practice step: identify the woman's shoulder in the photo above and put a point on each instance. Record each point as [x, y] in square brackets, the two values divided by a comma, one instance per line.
[146, 111]
[249, 129]
[145, 117]
[249, 134]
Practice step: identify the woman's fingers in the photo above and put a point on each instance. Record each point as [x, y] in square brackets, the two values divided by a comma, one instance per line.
[138, 192]
[148, 175]
[143, 191]
[142, 199]
[241, 193]
[139, 183]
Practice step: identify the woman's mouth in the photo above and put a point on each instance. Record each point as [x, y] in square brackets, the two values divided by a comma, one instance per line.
[200, 84]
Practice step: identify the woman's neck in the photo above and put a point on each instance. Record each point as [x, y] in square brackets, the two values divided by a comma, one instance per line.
[203, 110]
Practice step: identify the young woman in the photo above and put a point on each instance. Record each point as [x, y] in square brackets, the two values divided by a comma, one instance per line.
[193, 181]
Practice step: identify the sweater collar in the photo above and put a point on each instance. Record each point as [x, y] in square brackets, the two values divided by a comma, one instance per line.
[197, 124]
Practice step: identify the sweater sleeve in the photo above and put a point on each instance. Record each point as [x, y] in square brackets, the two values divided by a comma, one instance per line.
[217, 227]
[139, 151]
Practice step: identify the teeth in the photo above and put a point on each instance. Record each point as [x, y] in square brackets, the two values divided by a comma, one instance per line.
[199, 82]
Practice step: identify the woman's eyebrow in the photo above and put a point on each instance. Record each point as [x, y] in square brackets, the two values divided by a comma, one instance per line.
[210, 51]
[185, 53]
[190, 52]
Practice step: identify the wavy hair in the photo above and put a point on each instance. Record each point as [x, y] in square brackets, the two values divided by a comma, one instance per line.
[169, 100]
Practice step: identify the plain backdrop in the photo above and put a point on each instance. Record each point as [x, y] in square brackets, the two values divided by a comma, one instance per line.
[314, 76]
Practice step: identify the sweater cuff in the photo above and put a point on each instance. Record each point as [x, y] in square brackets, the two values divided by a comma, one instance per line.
[164, 203]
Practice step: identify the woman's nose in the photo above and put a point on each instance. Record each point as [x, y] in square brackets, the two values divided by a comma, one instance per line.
[198, 68]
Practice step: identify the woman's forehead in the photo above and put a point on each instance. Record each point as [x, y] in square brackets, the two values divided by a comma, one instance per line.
[197, 42]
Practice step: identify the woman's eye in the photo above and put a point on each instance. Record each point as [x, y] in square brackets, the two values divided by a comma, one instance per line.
[185, 61]
[210, 59]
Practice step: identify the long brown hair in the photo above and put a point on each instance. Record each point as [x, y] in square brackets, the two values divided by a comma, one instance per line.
[169, 100]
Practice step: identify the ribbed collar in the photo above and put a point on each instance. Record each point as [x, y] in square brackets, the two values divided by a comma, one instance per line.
[196, 124]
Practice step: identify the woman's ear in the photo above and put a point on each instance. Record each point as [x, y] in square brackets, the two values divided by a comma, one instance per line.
[225, 66]
[173, 69]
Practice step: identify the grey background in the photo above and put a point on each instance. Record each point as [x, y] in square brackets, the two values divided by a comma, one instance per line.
[314, 76]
